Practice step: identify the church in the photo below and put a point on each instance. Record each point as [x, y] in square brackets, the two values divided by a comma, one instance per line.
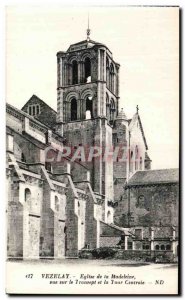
[100, 193]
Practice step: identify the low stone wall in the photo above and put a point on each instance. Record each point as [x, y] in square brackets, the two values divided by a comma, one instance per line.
[135, 255]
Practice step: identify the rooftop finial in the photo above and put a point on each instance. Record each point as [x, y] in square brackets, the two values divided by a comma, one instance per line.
[88, 30]
[137, 109]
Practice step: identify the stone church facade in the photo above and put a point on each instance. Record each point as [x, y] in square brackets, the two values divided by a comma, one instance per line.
[56, 208]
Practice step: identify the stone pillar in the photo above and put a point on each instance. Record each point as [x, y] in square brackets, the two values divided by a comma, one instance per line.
[117, 83]
[173, 240]
[65, 74]
[104, 69]
[152, 239]
[69, 80]
[78, 109]
[60, 105]
[48, 137]
[173, 247]
[83, 109]
[26, 124]
[99, 62]
[81, 72]
[9, 143]
[126, 242]
[133, 245]
[60, 70]
[174, 233]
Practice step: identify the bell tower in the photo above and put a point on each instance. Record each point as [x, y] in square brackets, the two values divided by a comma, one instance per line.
[88, 104]
[87, 82]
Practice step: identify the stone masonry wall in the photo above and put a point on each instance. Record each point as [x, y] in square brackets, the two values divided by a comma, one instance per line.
[150, 206]
[14, 223]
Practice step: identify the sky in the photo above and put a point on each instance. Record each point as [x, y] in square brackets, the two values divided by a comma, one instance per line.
[144, 40]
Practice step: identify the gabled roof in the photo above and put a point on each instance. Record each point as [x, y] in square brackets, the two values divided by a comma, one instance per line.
[133, 122]
[154, 177]
[39, 100]
[124, 231]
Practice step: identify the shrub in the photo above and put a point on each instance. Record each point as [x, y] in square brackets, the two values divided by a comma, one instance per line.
[104, 252]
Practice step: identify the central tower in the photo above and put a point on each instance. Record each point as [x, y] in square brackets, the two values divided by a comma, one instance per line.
[88, 83]
[88, 104]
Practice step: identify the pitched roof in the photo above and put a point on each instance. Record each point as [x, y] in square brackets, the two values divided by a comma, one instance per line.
[122, 115]
[88, 44]
[125, 231]
[39, 100]
[132, 123]
[154, 177]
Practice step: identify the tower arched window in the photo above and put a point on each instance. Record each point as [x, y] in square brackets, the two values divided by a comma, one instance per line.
[162, 247]
[87, 65]
[107, 108]
[73, 109]
[111, 78]
[74, 72]
[23, 158]
[27, 195]
[89, 108]
[157, 247]
[112, 109]
[107, 72]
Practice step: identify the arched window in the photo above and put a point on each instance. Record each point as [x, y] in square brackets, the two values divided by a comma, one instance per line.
[38, 109]
[131, 162]
[168, 247]
[89, 108]
[141, 201]
[48, 166]
[162, 247]
[87, 69]
[111, 78]
[56, 203]
[73, 109]
[107, 108]
[109, 217]
[136, 158]
[157, 247]
[23, 158]
[74, 72]
[78, 208]
[27, 195]
[112, 109]
[140, 163]
[146, 247]
[33, 110]
[107, 72]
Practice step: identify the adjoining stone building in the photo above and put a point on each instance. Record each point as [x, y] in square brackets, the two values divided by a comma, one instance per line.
[57, 208]
[149, 207]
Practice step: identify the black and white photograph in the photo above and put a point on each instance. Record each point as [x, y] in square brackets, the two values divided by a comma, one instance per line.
[92, 150]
